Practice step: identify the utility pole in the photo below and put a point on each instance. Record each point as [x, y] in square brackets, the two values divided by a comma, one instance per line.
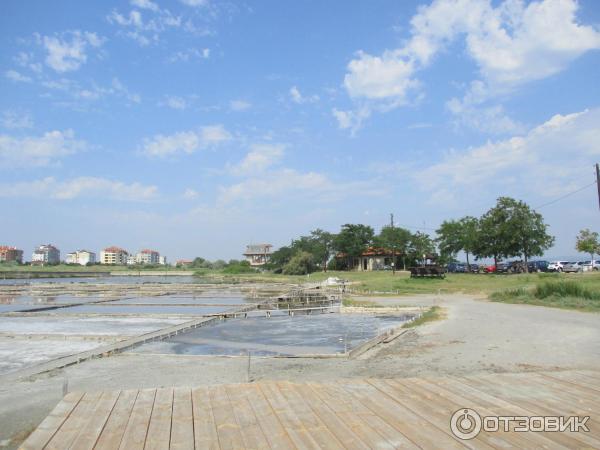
[598, 181]
[394, 243]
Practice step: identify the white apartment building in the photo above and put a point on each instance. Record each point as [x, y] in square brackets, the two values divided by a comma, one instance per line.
[147, 256]
[82, 257]
[113, 255]
[46, 254]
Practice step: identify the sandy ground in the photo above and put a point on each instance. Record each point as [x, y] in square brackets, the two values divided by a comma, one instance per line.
[476, 336]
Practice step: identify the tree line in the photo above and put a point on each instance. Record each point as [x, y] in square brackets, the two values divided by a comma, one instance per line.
[509, 229]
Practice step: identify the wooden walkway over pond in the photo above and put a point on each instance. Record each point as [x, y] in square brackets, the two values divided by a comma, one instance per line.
[349, 414]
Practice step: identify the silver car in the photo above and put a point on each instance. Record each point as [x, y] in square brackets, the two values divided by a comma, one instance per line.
[573, 267]
[557, 266]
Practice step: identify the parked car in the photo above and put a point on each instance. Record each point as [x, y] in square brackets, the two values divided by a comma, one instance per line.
[456, 268]
[537, 266]
[591, 265]
[474, 268]
[573, 266]
[557, 266]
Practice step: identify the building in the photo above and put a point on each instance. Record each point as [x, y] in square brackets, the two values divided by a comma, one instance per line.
[81, 257]
[10, 254]
[184, 263]
[46, 254]
[162, 260]
[147, 256]
[258, 254]
[373, 258]
[113, 255]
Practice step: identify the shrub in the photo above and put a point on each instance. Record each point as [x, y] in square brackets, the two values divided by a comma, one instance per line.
[564, 289]
[300, 264]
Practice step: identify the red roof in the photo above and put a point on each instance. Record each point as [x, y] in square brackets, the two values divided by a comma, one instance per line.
[148, 251]
[115, 250]
[5, 248]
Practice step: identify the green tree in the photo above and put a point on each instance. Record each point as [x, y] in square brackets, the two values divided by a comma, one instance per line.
[281, 257]
[353, 239]
[420, 244]
[322, 246]
[457, 235]
[301, 263]
[512, 228]
[396, 239]
[588, 242]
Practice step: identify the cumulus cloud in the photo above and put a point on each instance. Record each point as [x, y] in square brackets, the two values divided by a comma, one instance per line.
[239, 105]
[546, 160]
[195, 3]
[146, 24]
[186, 141]
[13, 75]
[298, 98]
[15, 120]
[190, 54]
[512, 44]
[79, 187]
[68, 51]
[38, 151]
[260, 158]
[191, 194]
[175, 102]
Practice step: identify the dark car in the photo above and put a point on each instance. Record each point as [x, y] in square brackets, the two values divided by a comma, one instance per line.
[537, 266]
[474, 268]
[456, 268]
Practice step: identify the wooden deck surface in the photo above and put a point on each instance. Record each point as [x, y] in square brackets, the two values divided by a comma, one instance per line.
[349, 414]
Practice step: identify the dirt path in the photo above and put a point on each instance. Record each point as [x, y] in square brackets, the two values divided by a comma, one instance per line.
[476, 336]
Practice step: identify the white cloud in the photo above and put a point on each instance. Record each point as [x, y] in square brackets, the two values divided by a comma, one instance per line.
[14, 120]
[186, 141]
[297, 97]
[145, 4]
[191, 194]
[239, 105]
[33, 151]
[260, 158]
[195, 3]
[13, 75]
[94, 91]
[276, 184]
[79, 187]
[175, 102]
[511, 44]
[68, 51]
[543, 161]
[351, 120]
[190, 55]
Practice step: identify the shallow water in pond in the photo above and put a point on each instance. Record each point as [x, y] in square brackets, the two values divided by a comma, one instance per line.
[283, 335]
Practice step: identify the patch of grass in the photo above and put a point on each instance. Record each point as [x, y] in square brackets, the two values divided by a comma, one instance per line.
[565, 294]
[431, 315]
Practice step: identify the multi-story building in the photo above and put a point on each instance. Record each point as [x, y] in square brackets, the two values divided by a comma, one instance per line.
[82, 257]
[11, 254]
[113, 255]
[258, 254]
[147, 256]
[46, 254]
[162, 260]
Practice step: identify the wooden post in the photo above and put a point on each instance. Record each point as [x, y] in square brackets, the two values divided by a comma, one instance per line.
[598, 181]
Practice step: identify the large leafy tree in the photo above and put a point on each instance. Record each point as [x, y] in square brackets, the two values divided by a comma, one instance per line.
[420, 244]
[588, 242]
[457, 235]
[512, 228]
[396, 239]
[322, 246]
[353, 239]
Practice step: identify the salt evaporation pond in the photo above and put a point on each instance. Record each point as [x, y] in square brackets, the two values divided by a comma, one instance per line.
[110, 308]
[183, 300]
[281, 335]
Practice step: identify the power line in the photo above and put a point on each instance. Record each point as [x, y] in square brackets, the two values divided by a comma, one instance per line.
[565, 196]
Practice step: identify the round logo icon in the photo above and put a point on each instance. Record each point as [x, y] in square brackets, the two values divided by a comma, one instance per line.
[465, 424]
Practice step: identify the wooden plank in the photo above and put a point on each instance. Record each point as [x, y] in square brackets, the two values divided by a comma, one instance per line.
[159, 429]
[134, 437]
[228, 429]
[581, 379]
[71, 427]
[501, 407]
[428, 405]
[274, 432]
[89, 434]
[252, 434]
[113, 432]
[299, 435]
[484, 405]
[415, 428]
[52, 423]
[341, 431]
[205, 429]
[182, 425]
[311, 422]
[361, 420]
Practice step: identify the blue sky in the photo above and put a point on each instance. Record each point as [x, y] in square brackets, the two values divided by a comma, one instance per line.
[196, 127]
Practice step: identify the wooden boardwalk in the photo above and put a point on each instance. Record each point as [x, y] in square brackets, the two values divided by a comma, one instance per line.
[361, 414]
